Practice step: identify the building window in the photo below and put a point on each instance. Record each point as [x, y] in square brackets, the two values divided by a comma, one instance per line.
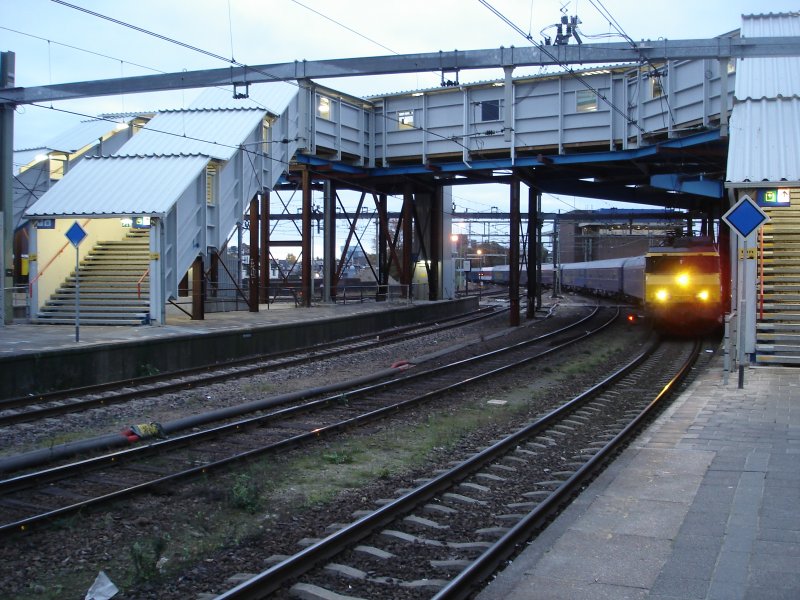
[58, 164]
[211, 185]
[405, 119]
[586, 101]
[490, 110]
[658, 83]
[324, 107]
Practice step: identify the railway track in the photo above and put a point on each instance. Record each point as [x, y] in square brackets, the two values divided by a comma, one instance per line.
[27, 409]
[40, 496]
[444, 538]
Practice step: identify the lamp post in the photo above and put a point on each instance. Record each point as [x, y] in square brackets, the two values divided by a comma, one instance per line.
[456, 252]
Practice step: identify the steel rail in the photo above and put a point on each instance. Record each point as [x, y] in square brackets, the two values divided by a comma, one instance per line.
[464, 585]
[118, 458]
[274, 578]
[164, 382]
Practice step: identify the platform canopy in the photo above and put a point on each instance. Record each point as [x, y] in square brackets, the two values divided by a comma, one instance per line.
[119, 186]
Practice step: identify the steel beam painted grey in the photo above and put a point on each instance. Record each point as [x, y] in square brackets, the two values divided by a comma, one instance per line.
[660, 50]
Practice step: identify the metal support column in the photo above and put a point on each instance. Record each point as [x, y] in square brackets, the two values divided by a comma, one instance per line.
[265, 270]
[254, 254]
[408, 220]
[513, 258]
[383, 250]
[436, 245]
[305, 285]
[198, 290]
[329, 241]
[7, 190]
[534, 292]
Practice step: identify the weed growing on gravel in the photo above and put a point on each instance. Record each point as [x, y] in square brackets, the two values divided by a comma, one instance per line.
[147, 370]
[245, 493]
[339, 457]
[258, 389]
[145, 554]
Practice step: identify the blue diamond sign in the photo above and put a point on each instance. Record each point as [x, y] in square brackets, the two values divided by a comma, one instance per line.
[75, 234]
[745, 216]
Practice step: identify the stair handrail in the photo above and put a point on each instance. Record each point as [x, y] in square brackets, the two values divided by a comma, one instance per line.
[50, 262]
[139, 283]
[761, 274]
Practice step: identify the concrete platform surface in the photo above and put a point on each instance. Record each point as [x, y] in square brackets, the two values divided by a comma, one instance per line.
[26, 337]
[704, 505]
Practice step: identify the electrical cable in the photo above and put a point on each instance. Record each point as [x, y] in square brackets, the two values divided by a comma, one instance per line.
[171, 40]
[569, 70]
[343, 26]
[604, 12]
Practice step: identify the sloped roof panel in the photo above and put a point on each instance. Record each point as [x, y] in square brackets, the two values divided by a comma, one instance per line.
[23, 158]
[764, 141]
[765, 121]
[271, 97]
[215, 133]
[83, 134]
[116, 186]
[768, 77]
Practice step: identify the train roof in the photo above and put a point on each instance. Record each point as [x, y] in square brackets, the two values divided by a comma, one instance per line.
[686, 245]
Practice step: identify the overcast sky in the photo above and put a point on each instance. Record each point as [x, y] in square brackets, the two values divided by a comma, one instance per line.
[269, 31]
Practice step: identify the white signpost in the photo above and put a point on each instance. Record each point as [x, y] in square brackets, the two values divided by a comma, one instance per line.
[745, 217]
[76, 235]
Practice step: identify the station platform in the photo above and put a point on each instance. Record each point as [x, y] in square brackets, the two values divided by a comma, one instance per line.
[39, 358]
[705, 504]
[24, 337]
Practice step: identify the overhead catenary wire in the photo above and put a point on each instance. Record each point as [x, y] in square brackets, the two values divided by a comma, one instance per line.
[569, 70]
[598, 4]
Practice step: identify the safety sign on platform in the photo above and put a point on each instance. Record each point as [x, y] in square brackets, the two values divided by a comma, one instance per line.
[745, 216]
[75, 234]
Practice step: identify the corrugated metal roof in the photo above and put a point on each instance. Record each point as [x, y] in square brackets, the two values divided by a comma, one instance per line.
[141, 185]
[23, 158]
[83, 134]
[215, 133]
[768, 77]
[765, 141]
[765, 121]
[272, 97]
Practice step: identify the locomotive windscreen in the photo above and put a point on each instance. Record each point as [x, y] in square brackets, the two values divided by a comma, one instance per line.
[662, 265]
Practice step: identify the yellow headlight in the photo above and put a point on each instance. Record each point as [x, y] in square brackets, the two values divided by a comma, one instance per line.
[682, 279]
[661, 295]
[703, 295]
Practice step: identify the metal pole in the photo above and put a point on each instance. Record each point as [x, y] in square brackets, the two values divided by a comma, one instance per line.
[513, 267]
[7, 191]
[77, 296]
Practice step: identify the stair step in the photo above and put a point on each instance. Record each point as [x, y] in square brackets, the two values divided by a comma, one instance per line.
[98, 302]
[766, 337]
[104, 321]
[783, 317]
[777, 327]
[782, 306]
[778, 359]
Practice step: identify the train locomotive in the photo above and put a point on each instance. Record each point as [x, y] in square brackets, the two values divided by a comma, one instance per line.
[678, 286]
[683, 286]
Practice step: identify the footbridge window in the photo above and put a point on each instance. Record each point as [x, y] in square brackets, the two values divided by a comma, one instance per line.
[585, 101]
[490, 110]
[405, 119]
[211, 185]
[324, 107]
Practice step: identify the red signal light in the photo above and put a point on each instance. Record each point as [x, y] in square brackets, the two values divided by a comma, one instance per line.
[632, 318]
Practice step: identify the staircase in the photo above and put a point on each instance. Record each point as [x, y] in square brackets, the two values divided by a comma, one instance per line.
[109, 286]
[778, 325]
